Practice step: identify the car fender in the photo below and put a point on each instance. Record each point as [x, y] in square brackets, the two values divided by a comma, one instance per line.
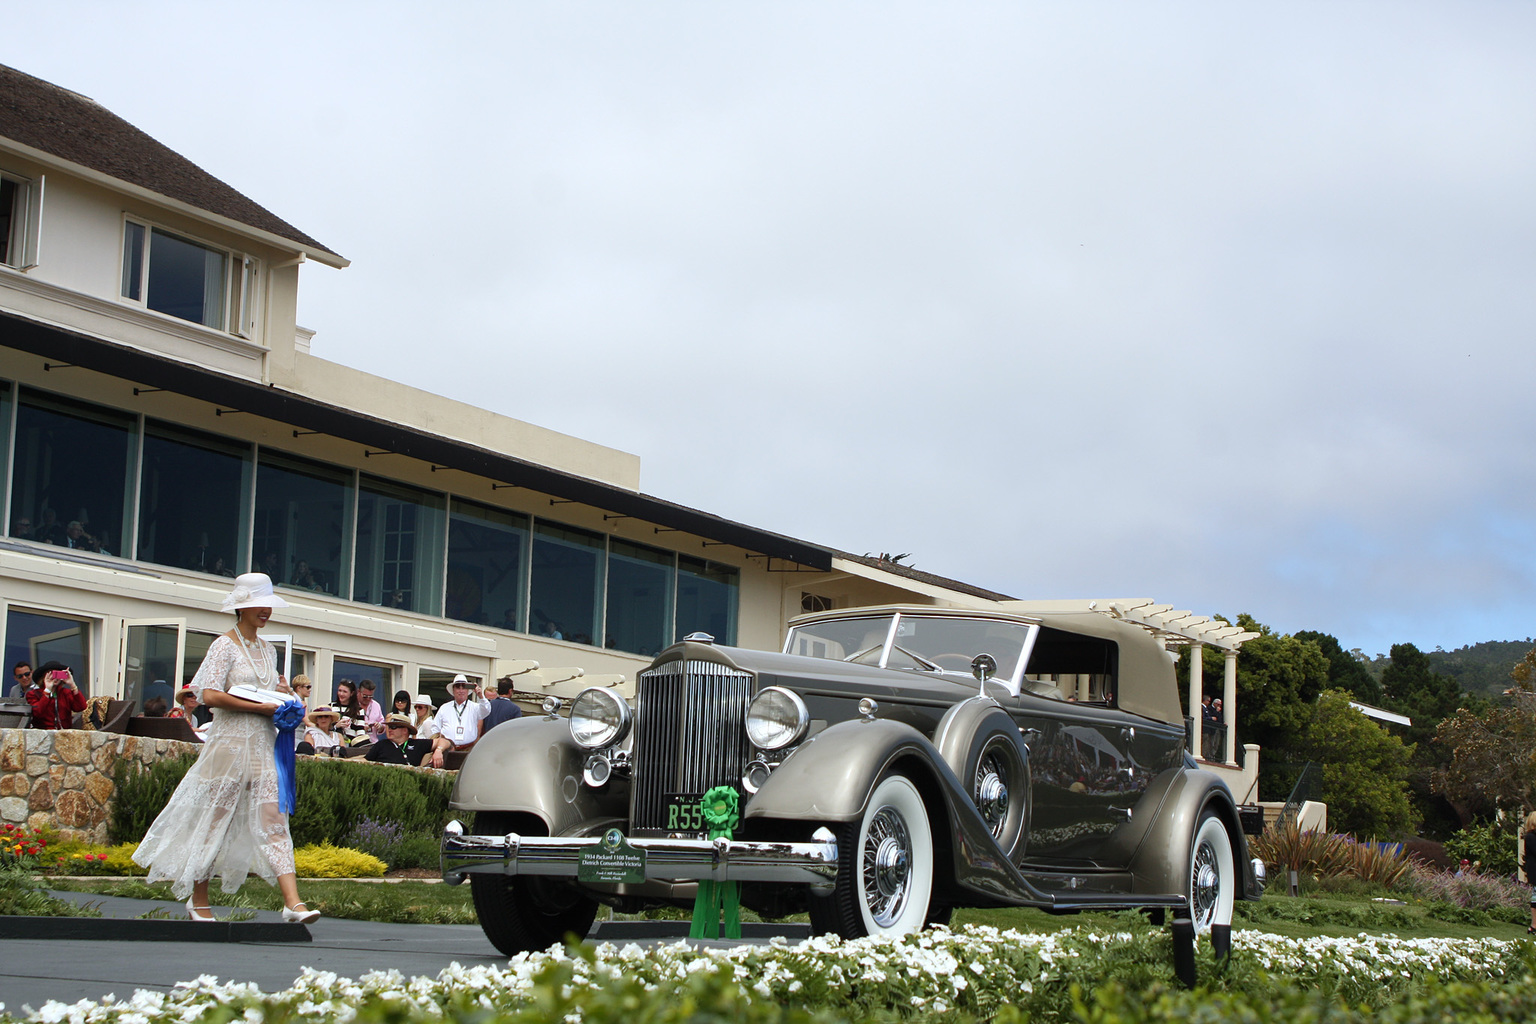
[532, 766]
[1162, 856]
[830, 776]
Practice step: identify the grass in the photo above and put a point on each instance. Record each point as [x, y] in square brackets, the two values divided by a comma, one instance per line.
[1345, 913]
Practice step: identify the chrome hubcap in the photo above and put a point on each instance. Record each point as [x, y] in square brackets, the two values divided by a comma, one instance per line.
[1205, 886]
[992, 793]
[887, 866]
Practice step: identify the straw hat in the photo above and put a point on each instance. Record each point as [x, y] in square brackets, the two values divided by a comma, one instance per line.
[324, 711]
[252, 590]
[401, 720]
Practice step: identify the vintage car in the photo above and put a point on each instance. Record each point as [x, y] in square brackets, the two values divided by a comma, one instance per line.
[891, 764]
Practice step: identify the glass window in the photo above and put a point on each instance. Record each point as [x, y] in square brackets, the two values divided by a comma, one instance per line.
[37, 638]
[193, 653]
[192, 488]
[485, 565]
[707, 595]
[21, 524]
[639, 598]
[71, 472]
[399, 547]
[8, 218]
[151, 669]
[355, 672]
[301, 536]
[176, 275]
[566, 589]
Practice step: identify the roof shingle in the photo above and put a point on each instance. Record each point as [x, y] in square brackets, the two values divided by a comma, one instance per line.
[72, 127]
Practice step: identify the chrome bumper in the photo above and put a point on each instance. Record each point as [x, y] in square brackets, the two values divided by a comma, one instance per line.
[722, 860]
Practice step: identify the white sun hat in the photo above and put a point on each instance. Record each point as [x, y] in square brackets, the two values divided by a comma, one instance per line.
[252, 590]
[421, 699]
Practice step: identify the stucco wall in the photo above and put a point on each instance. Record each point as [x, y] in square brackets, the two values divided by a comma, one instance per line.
[63, 779]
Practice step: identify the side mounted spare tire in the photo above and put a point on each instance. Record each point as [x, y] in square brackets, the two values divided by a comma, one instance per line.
[983, 747]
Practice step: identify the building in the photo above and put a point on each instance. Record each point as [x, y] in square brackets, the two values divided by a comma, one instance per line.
[165, 425]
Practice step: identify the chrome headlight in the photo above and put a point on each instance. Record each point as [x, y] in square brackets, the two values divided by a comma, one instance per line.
[599, 718]
[776, 718]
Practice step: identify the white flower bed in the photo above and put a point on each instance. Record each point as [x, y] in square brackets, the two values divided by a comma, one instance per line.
[978, 968]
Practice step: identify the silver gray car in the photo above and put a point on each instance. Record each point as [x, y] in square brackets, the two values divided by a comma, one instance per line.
[891, 764]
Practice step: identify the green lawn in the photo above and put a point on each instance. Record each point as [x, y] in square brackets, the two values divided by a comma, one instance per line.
[1342, 914]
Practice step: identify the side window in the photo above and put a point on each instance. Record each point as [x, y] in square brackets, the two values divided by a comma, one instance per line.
[187, 279]
[21, 208]
[1069, 666]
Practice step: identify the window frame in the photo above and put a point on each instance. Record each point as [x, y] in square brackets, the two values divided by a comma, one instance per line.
[24, 244]
[241, 291]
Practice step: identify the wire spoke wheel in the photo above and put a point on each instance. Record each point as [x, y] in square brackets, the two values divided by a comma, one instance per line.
[1212, 874]
[885, 867]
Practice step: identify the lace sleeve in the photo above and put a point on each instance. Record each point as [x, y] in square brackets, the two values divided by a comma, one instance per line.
[216, 666]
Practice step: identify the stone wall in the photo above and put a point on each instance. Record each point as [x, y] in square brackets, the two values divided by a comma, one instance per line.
[63, 779]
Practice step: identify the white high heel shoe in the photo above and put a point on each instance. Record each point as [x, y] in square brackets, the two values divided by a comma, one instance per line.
[193, 912]
[304, 916]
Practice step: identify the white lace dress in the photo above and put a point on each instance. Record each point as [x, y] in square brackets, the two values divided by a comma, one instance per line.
[223, 820]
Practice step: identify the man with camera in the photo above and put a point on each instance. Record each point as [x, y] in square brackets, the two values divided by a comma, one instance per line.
[55, 702]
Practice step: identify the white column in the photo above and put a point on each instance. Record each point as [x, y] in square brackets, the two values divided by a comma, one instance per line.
[1229, 705]
[1195, 687]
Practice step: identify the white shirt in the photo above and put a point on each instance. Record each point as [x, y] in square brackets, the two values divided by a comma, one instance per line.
[427, 727]
[461, 722]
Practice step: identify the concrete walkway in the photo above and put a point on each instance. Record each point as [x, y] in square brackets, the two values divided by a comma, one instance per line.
[34, 970]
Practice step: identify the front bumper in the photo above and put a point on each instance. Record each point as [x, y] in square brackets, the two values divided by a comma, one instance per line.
[721, 860]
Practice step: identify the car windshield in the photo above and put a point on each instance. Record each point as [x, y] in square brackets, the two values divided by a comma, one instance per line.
[932, 643]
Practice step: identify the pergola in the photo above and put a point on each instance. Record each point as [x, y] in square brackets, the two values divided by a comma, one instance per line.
[1178, 628]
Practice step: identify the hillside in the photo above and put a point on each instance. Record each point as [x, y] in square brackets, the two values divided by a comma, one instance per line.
[1478, 668]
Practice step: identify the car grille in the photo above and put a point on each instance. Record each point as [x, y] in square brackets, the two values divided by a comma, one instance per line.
[690, 735]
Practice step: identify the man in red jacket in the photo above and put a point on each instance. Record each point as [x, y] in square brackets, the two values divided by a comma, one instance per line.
[55, 702]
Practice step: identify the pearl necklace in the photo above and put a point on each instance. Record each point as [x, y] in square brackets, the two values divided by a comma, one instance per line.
[261, 674]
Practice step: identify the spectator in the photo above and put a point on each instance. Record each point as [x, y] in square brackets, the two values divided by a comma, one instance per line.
[372, 716]
[301, 687]
[401, 704]
[398, 747]
[154, 708]
[186, 707]
[322, 737]
[21, 680]
[426, 725]
[349, 709]
[502, 708]
[459, 720]
[76, 537]
[55, 702]
[1528, 860]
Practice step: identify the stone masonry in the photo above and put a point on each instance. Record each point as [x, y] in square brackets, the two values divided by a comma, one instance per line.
[63, 778]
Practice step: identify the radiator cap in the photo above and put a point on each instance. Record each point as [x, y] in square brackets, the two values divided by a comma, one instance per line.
[698, 638]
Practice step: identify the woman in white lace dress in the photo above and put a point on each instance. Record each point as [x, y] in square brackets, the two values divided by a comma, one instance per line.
[224, 819]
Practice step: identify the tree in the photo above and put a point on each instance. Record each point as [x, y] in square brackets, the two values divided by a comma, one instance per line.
[1410, 687]
[1365, 769]
[1346, 671]
[1278, 678]
[1490, 761]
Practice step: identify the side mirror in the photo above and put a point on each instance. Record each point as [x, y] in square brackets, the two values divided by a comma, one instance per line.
[983, 667]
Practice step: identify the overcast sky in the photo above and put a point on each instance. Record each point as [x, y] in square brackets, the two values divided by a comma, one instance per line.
[1231, 306]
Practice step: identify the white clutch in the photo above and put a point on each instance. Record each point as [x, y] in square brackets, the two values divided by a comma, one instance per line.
[251, 693]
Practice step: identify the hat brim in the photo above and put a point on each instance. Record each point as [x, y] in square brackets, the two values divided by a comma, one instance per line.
[269, 601]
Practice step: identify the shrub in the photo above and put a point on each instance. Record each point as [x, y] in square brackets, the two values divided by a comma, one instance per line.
[327, 861]
[418, 851]
[336, 795]
[1474, 890]
[379, 838]
[1494, 844]
[1287, 848]
[22, 847]
[142, 793]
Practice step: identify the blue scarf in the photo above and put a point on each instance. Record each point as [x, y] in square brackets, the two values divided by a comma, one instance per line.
[287, 718]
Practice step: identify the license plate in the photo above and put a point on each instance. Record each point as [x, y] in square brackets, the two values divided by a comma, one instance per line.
[682, 812]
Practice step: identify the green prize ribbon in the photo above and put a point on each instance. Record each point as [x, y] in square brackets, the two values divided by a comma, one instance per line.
[721, 809]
